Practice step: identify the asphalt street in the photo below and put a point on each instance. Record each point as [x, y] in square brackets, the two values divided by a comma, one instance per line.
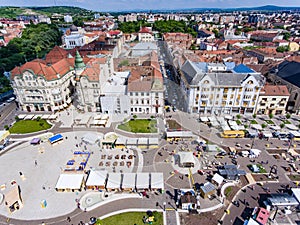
[249, 198]
[8, 113]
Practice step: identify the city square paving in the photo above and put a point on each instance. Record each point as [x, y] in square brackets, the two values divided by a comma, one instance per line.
[40, 179]
[41, 170]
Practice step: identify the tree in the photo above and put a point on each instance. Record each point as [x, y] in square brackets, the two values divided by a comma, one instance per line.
[271, 115]
[263, 125]
[238, 116]
[254, 116]
[282, 49]
[288, 116]
[286, 36]
[216, 32]
[238, 31]
[124, 62]
[282, 125]
[36, 41]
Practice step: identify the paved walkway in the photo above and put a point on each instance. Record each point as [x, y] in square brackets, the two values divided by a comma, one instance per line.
[172, 217]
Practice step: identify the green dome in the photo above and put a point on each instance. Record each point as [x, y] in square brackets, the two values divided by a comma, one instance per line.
[78, 61]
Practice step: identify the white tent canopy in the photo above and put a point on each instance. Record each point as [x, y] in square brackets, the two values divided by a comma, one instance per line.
[114, 181]
[256, 126]
[45, 117]
[21, 116]
[291, 127]
[182, 134]
[128, 181]
[29, 117]
[218, 178]
[69, 181]
[91, 138]
[295, 133]
[97, 178]
[204, 119]
[142, 180]
[52, 117]
[228, 117]
[157, 181]
[255, 152]
[186, 157]
[274, 127]
[267, 134]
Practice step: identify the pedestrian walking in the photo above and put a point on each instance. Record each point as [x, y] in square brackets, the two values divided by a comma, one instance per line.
[35, 162]
[68, 219]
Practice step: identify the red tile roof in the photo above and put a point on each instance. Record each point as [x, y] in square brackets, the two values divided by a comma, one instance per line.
[274, 90]
[145, 30]
[50, 72]
[92, 70]
[56, 54]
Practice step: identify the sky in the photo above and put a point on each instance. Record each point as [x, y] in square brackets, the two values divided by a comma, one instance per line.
[121, 5]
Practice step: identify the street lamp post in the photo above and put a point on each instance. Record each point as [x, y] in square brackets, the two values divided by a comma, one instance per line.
[252, 142]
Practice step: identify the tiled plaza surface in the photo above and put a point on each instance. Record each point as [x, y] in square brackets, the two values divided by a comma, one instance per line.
[40, 179]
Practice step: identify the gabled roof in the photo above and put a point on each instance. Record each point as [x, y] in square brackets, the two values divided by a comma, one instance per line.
[290, 71]
[195, 72]
[274, 90]
[190, 70]
[242, 69]
[49, 72]
[56, 54]
[92, 69]
[145, 30]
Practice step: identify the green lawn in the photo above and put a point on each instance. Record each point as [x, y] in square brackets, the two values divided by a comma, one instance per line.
[227, 191]
[132, 218]
[139, 126]
[260, 167]
[29, 126]
[173, 125]
[294, 177]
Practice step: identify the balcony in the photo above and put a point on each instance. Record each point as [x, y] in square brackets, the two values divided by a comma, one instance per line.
[56, 91]
[59, 99]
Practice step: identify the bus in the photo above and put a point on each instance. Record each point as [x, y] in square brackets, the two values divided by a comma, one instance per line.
[233, 134]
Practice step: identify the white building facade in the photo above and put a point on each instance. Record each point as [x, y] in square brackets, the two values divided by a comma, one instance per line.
[220, 92]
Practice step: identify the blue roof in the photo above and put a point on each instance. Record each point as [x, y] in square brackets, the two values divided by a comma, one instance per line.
[230, 65]
[55, 138]
[202, 66]
[242, 69]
